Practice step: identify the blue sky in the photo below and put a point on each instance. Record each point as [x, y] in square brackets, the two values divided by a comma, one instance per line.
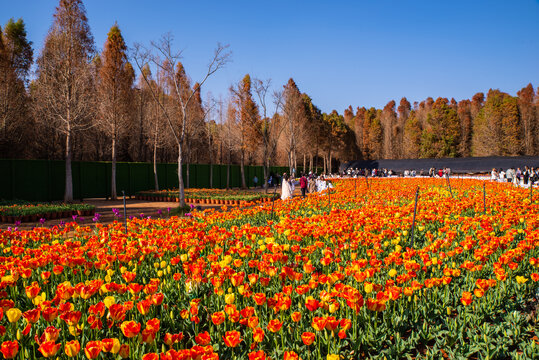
[359, 53]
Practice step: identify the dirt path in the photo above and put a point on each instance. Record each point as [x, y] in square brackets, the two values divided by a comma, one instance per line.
[134, 208]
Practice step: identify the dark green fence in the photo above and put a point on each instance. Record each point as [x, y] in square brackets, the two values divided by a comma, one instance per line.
[44, 180]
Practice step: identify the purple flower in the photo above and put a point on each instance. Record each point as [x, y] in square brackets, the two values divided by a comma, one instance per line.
[81, 218]
[131, 217]
[116, 213]
[191, 206]
[9, 228]
[141, 215]
[62, 223]
[188, 214]
[42, 221]
[159, 212]
[17, 223]
[168, 210]
[96, 217]
[75, 217]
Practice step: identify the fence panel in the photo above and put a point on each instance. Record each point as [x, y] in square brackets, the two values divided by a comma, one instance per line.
[6, 179]
[44, 180]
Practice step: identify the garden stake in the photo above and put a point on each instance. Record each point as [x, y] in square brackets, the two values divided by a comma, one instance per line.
[329, 195]
[449, 184]
[125, 213]
[273, 199]
[484, 200]
[415, 211]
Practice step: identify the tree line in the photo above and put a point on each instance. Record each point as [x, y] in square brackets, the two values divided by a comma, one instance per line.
[75, 102]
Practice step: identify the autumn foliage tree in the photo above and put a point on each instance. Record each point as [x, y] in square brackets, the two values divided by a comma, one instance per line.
[15, 60]
[114, 94]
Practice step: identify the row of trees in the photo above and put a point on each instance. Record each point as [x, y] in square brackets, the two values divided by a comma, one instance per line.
[499, 124]
[140, 104]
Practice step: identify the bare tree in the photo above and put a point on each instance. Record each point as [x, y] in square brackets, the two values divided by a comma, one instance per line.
[272, 127]
[171, 58]
[64, 87]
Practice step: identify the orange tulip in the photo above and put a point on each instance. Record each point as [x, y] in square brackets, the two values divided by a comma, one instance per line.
[319, 323]
[93, 349]
[72, 348]
[49, 348]
[130, 328]
[232, 338]
[257, 355]
[290, 355]
[258, 334]
[218, 318]
[203, 338]
[124, 351]
[9, 349]
[274, 325]
[307, 338]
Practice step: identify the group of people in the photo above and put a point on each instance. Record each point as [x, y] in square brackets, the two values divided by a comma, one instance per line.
[307, 183]
[518, 177]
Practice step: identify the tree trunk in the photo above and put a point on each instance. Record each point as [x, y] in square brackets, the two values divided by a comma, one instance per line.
[228, 170]
[325, 167]
[187, 173]
[155, 163]
[181, 192]
[242, 170]
[68, 195]
[310, 162]
[113, 193]
[304, 163]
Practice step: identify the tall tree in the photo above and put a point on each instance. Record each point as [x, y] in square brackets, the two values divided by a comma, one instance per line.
[511, 127]
[389, 122]
[497, 126]
[441, 136]
[294, 114]
[271, 126]
[403, 114]
[171, 59]
[313, 129]
[465, 117]
[64, 86]
[248, 122]
[15, 59]
[114, 94]
[412, 137]
[528, 119]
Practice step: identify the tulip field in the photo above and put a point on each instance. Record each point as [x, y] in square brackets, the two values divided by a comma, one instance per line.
[334, 276]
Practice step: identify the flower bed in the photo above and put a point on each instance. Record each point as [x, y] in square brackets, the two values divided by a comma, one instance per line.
[328, 277]
[28, 212]
[207, 196]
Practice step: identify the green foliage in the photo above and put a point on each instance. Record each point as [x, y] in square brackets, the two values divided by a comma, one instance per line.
[441, 137]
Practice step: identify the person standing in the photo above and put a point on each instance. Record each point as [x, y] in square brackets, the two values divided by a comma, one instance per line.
[255, 181]
[286, 189]
[312, 184]
[303, 184]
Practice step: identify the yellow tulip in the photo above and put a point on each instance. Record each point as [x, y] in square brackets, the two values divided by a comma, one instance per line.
[13, 315]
